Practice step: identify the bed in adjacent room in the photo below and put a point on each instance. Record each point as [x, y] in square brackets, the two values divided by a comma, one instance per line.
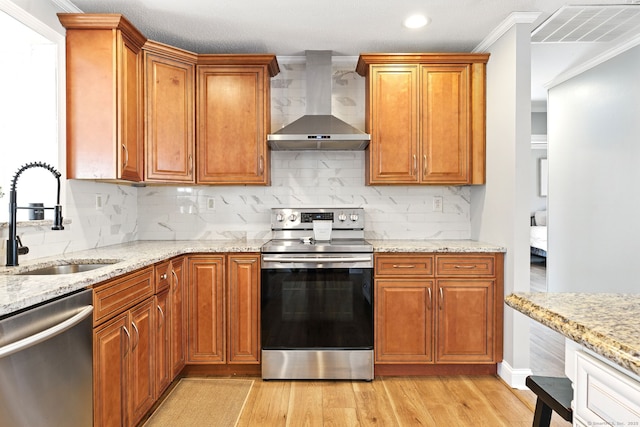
[538, 239]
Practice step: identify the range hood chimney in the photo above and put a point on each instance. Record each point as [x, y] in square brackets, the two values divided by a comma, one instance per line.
[318, 129]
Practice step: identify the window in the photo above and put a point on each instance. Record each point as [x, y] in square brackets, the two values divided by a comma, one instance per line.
[29, 128]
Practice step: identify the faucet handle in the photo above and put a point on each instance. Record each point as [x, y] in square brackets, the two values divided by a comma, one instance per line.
[57, 218]
[22, 250]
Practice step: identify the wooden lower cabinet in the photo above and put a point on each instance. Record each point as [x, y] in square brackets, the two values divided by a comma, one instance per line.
[164, 372]
[404, 321]
[124, 367]
[243, 289]
[438, 311]
[110, 371]
[223, 309]
[178, 316]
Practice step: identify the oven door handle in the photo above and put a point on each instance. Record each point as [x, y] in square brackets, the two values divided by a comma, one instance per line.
[318, 260]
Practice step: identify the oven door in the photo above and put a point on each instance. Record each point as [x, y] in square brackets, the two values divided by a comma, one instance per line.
[317, 302]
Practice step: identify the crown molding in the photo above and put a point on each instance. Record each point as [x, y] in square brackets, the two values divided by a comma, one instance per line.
[512, 20]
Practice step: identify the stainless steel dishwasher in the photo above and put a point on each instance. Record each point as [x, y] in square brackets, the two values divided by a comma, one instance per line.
[46, 374]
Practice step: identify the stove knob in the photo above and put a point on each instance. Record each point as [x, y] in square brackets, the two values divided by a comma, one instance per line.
[280, 217]
[342, 217]
[293, 217]
[354, 217]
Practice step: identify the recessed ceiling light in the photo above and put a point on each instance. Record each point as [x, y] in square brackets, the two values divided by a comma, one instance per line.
[416, 21]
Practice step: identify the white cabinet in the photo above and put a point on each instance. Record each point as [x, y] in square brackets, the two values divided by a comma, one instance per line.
[604, 395]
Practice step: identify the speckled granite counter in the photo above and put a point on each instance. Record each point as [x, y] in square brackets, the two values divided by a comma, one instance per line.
[441, 246]
[607, 324]
[18, 292]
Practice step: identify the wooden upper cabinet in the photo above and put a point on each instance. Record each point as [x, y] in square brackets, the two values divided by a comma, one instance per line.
[234, 118]
[426, 117]
[393, 123]
[445, 137]
[104, 97]
[169, 92]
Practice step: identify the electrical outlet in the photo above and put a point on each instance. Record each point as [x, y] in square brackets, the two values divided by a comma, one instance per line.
[211, 204]
[437, 203]
[99, 203]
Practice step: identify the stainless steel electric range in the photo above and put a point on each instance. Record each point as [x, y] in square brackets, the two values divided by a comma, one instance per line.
[317, 296]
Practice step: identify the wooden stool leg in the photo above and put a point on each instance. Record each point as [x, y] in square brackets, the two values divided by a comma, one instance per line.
[542, 416]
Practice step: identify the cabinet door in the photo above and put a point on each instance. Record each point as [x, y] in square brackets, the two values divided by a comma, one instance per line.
[111, 347]
[129, 89]
[445, 127]
[162, 334]
[403, 321]
[142, 373]
[393, 124]
[169, 132]
[178, 313]
[244, 309]
[465, 321]
[232, 124]
[104, 97]
[206, 343]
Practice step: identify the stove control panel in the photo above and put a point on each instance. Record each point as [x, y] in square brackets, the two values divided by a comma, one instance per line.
[302, 219]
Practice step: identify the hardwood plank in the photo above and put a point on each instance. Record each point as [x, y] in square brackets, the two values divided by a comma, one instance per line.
[373, 404]
[409, 404]
[268, 404]
[305, 404]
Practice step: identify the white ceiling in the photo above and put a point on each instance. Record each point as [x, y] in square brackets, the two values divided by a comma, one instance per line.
[347, 27]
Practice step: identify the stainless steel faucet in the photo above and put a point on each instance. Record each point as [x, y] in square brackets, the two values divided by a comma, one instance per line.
[14, 244]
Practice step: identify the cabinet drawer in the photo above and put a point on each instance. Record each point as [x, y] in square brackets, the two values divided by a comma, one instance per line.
[476, 265]
[121, 294]
[403, 265]
[162, 276]
[603, 395]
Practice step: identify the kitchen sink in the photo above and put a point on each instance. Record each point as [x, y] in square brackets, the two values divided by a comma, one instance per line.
[65, 269]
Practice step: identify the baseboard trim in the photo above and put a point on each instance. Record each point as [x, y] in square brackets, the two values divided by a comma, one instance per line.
[515, 378]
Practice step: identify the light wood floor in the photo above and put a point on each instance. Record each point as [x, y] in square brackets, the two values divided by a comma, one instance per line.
[391, 401]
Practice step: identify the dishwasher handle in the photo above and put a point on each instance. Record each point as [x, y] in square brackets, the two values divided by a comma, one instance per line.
[51, 332]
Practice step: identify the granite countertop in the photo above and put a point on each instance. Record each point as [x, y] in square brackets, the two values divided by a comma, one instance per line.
[440, 246]
[19, 292]
[605, 323]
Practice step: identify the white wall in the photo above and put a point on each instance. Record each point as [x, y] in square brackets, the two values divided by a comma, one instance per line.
[594, 151]
[500, 210]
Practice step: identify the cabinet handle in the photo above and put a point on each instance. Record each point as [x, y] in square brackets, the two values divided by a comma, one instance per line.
[441, 299]
[190, 164]
[415, 164]
[261, 165]
[135, 345]
[175, 279]
[126, 331]
[163, 276]
[424, 165]
[430, 301]
[126, 155]
[161, 314]
[465, 267]
[404, 266]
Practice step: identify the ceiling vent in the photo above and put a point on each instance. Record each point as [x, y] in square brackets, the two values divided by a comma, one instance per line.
[597, 23]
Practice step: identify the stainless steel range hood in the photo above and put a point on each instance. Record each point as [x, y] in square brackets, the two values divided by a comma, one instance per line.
[318, 129]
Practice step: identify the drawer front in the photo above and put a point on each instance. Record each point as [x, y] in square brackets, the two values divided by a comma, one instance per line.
[460, 265]
[403, 265]
[121, 294]
[163, 276]
[603, 395]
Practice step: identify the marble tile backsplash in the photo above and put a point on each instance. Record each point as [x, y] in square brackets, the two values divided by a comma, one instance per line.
[299, 178]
